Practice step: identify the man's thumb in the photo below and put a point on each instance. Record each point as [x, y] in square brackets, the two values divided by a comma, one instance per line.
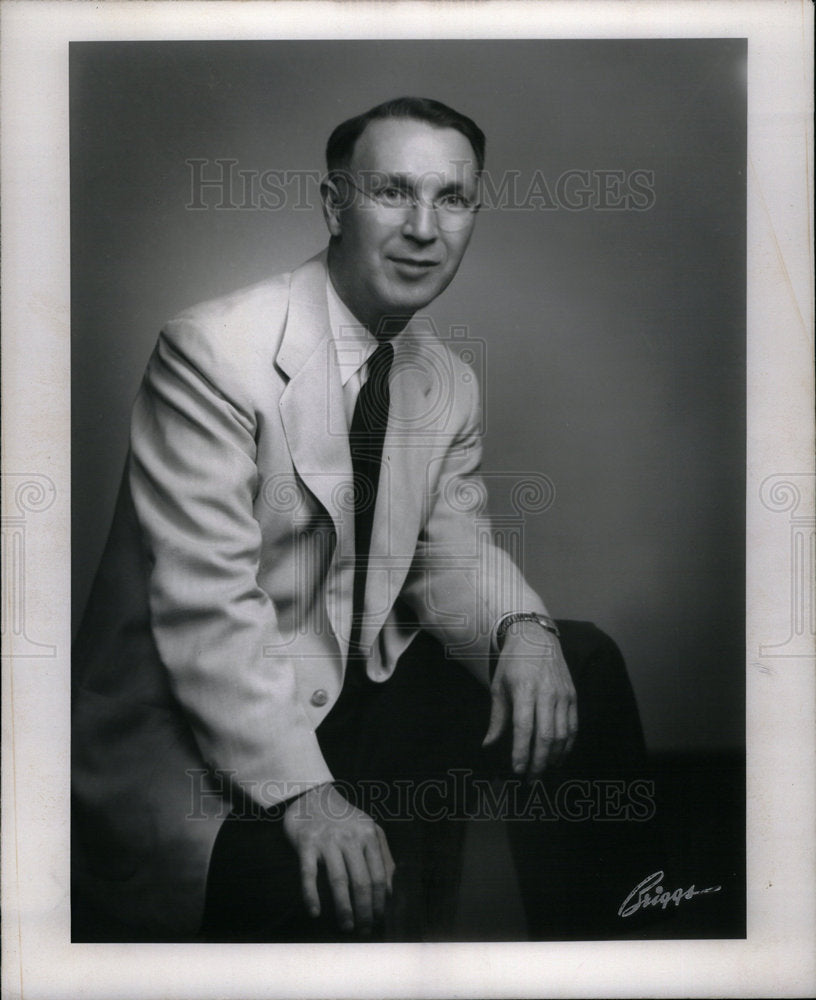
[498, 718]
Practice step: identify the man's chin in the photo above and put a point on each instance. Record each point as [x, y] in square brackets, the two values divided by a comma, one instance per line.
[416, 296]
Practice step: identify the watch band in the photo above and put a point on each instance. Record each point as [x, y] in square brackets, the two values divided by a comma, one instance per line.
[524, 616]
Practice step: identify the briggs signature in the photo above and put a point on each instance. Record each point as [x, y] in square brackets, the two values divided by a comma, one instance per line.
[650, 892]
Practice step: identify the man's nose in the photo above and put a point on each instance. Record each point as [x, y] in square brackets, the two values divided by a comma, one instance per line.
[421, 223]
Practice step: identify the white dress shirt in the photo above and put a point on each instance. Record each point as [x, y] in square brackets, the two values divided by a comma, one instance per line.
[354, 346]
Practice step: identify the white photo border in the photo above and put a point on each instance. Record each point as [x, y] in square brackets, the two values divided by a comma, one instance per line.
[778, 956]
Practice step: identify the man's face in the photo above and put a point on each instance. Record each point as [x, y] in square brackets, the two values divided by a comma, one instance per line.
[393, 252]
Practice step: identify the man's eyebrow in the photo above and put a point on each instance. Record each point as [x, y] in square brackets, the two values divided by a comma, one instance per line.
[398, 179]
[409, 181]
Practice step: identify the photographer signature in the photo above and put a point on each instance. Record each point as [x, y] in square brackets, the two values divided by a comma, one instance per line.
[650, 892]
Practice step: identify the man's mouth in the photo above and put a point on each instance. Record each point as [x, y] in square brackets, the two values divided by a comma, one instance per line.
[415, 263]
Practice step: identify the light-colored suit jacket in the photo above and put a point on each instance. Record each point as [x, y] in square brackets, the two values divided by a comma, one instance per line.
[217, 631]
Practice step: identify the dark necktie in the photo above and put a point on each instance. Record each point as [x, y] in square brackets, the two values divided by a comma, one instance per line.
[366, 436]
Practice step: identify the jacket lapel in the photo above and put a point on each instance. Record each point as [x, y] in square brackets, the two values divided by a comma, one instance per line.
[314, 423]
[311, 405]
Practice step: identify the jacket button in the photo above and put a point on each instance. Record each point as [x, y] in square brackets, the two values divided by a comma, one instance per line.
[320, 697]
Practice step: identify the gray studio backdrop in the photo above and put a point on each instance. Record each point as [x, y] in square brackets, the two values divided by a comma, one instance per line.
[608, 328]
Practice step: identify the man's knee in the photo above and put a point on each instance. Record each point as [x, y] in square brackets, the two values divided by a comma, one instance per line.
[609, 726]
[588, 648]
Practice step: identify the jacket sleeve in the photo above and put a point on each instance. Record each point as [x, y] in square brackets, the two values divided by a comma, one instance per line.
[461, 582]
[193, 479]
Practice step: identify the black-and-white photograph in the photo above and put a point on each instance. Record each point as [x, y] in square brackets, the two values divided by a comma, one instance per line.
[408, 435]
[407, 487]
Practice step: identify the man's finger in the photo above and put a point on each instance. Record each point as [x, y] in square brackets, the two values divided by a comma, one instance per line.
[387, 859]
[337, 877]
[544, 751]
[361, 889]
[561, 719]
[523, 713]
[308, 881]
[498, 719]
[562, 730]
[572, 724]
[379, 880]
[545, 741]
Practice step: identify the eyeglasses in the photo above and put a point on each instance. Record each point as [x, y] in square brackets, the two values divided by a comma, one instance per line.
[453, 210]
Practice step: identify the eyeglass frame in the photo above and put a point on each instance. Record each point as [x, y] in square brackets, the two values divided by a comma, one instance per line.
[415, 200]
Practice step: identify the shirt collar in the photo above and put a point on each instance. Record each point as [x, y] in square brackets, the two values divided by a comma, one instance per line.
[353, 343]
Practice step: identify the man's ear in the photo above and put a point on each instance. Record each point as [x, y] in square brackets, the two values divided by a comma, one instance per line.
[332, 201]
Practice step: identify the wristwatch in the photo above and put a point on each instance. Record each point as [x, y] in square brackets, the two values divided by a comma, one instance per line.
[524, 616]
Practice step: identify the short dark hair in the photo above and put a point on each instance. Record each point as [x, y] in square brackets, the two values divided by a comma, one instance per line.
[340, 147]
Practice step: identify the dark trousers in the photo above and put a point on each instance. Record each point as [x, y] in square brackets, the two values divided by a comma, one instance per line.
[409, 753]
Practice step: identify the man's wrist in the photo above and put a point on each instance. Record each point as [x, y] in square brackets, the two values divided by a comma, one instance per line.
[279, 809]
[526, 638]
[521, 623]
[525, 632]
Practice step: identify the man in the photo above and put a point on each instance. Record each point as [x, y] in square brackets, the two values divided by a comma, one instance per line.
[297, 574]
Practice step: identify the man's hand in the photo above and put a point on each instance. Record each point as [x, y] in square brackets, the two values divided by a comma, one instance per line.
[533, 688]
[325, 828]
